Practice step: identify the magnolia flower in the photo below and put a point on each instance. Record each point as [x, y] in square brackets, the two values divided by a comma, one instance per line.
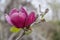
[20, 18]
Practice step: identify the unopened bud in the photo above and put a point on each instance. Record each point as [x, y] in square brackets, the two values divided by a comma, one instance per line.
[46, 11]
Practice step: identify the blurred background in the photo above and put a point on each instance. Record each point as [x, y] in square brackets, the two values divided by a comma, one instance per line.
[49, 30]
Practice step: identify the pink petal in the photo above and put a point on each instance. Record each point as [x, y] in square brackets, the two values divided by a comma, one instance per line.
[8, 19]
[18, 19]
[31, 18]
[13, 11]
[23, 11]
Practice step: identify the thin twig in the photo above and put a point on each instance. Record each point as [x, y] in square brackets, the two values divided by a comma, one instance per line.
[11, 37]
[20, 36]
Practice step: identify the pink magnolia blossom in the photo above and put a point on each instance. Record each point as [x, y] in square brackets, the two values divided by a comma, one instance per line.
[20, 18]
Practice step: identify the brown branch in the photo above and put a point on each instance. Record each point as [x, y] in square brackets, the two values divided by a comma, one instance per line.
[21, 35]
